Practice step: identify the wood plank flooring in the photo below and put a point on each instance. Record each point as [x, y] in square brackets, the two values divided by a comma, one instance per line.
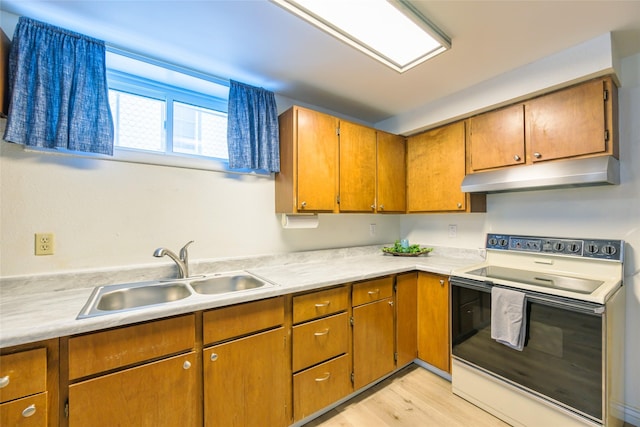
[414, 397]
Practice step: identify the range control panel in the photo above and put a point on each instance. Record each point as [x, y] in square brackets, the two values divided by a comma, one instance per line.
[587, 248]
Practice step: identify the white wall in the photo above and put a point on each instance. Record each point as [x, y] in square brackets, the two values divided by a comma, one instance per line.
[108, 213]
[598, 212]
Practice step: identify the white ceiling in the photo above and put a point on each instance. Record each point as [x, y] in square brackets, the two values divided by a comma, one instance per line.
[258, 43]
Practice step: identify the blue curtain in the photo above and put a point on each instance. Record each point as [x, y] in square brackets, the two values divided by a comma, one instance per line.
[252, 129]
[58, 90]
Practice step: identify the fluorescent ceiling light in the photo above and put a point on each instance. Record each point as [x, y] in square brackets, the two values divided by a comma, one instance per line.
[392, 31]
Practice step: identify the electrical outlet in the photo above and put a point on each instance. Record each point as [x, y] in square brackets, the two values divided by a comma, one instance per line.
[453, 231]
[372, 229]
[44, 244]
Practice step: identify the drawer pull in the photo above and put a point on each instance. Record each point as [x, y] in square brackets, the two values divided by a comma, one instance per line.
[377, 291]
[186, 364]
[214, 357]
[327, 375]
[323, 304]
[4, 381]
[29, 410]
[325, 332]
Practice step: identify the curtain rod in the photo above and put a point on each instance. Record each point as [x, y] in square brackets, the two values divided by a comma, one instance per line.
[168, 65]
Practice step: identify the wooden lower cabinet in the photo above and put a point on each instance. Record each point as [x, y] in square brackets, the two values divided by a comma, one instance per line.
[29, 378]
[246, 381]
[373, 341]
[406, 318]
[320, 386]
[162, 393]
[433, 320]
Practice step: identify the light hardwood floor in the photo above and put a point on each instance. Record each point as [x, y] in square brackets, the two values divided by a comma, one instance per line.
[414, 397]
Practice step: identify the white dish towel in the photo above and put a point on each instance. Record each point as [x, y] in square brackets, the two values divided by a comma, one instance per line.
[508, 317]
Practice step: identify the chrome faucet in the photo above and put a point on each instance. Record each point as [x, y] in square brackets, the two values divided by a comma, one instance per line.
[182, 261]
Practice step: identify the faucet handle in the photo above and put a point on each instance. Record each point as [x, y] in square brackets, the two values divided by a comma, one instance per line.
[184, 254]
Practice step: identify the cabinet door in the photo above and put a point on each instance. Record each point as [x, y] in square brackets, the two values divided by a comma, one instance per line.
[568, 123]
[496, 138]
[406, 318]
[245, 381]
[317, 161]
[435, 170]
[391, 173]
[433, 320]
[26, 412]
[357, 168]
[373, 338]
[163, 393]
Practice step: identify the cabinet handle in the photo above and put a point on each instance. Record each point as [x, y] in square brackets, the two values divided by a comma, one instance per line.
[29, 410]
[441, 282]
[373, 207]
[516, 158]
[319, 334]
[327, 375]
[377, 291]
[323, 304]
[303, 205]
[537, 155]
[391, 303]
[213, 357]
[186, 364]
[4, 381]
[381, 207]
[459, 205]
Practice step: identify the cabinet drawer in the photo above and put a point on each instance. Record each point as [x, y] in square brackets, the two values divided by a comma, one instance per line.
[320, 386]
[320, 340]
[372, 290]
[115, 348]
[26, 412]
[242, 319]
[321, 303]
[23, 374]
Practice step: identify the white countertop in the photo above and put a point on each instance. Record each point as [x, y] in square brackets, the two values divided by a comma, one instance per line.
[30, 317]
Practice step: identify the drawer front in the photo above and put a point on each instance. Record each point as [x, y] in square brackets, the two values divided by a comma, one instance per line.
[320, 386]
[26, 412]
[23, 374]
[372, 290]
[115, 348]
[320, 340]
[242, 319]
[319, 304]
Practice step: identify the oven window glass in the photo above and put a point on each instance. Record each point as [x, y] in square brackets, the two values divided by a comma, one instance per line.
[562, 357]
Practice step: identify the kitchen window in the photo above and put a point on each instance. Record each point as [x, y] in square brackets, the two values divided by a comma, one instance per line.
[167, 124]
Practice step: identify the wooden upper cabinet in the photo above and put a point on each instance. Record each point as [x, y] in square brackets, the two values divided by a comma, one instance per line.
[391, 173]
[496, 138]
[573, 122]
[357, 168]
[307, 181]
[435, 170]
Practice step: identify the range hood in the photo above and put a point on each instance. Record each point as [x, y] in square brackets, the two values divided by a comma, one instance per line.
[554, 174]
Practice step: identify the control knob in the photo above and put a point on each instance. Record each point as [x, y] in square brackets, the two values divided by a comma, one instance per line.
[592, 248]
[609, 249]
[558, 246]
[573, 247]
[493, 241]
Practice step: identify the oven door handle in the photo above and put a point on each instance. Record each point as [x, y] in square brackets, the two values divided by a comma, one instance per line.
[555, 301]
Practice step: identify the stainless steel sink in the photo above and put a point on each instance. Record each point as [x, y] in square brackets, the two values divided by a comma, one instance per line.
[129, 296]
[224, 284]
[132, 296]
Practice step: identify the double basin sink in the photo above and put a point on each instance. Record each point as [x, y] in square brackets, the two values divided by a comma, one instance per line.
[131, 296]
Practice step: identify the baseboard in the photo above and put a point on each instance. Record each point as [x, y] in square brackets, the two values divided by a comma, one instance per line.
[631, 415]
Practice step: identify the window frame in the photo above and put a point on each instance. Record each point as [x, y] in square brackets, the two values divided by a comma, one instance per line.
[136, 85]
